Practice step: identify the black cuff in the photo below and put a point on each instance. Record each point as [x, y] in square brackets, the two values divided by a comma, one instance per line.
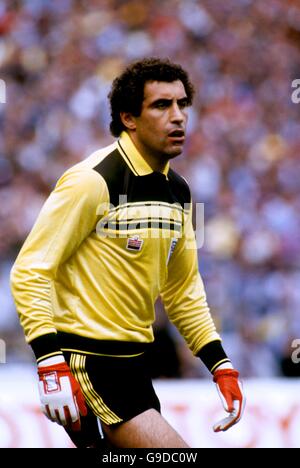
[213, 355]
[45, 346]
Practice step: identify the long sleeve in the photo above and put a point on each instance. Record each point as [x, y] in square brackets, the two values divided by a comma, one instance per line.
[65, 221]
[184, 295]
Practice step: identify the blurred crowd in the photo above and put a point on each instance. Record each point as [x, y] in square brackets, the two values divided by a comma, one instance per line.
[58, 58]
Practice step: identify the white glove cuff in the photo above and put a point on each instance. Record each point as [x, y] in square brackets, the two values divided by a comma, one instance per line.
[51, 361]
[225, 365]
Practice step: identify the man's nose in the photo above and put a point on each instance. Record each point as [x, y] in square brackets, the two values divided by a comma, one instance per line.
[176, 114]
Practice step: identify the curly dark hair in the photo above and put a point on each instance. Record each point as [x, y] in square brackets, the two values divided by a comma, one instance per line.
[127, 92]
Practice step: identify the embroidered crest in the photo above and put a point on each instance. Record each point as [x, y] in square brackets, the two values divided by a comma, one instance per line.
[134, 243]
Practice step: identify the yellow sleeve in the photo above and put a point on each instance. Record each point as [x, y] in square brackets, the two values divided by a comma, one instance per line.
[68, 216]
[184, 295]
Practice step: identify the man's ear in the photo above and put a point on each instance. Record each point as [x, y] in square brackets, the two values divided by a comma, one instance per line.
[128, 120]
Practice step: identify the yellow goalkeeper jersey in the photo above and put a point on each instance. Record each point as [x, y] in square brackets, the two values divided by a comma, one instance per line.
[112, 236]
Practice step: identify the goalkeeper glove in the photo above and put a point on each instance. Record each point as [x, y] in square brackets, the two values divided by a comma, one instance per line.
[231, 394]
[61, 398]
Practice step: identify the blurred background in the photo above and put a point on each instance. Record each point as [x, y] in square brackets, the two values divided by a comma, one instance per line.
[58, 59]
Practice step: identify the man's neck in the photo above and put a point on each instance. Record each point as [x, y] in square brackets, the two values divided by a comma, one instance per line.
[157, 163]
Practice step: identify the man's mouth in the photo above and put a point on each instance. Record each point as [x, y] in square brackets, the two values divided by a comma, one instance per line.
[177, 135]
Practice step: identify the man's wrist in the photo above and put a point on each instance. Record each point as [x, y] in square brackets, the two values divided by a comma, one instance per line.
[213, 356]
[46, 346]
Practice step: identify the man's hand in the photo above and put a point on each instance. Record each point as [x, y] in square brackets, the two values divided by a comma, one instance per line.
[61, 398]
[231, 394]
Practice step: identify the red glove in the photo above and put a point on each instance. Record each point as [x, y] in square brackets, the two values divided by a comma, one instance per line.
[61, 398]
[231, 394]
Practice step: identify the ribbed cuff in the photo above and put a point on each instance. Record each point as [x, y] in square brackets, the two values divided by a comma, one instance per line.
[213, 355]
[45, 346]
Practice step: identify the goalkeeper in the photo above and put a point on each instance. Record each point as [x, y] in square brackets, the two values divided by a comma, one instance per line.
[115, 233]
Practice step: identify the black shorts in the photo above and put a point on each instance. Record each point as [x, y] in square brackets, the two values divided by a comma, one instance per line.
[116, 389]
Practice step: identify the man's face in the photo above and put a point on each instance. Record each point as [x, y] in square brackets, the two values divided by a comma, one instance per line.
[160, 128]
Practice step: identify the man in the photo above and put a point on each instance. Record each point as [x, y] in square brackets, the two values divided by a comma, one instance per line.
[116, 233]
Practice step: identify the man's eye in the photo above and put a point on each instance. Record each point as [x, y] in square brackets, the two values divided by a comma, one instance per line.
[182, 104]
[161, 105]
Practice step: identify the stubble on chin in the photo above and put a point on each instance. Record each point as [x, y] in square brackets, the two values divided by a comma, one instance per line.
[177, 151]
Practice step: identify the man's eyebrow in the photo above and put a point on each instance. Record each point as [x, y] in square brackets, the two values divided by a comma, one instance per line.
[160, 100]
[167, 101]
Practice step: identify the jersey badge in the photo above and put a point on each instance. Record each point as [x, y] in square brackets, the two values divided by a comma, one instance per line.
[134, 243]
